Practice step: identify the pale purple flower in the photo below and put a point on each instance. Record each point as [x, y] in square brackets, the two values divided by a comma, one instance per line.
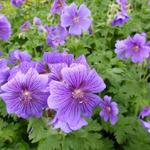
[81, 60]
[120, 19]
[148, 2]
[136, 48]
[17, 3]
[57, 57]
[74, 97]
[4, 72]
[37, 21]
[122, 3]
[109, 110]
[25, 94]
[56, 36]
[58, 6]
[144, 113]
[5, 28]
[17, 56]
[23, 66]
[25, 26]
[64, 126]
[50, 62]
[55, 71]
[120, 49]
[77, 20]
[1, 53]
[1, 6]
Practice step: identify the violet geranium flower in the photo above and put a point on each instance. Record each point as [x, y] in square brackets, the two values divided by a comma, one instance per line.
[25, 26]
[57, 57]
[4, 72]
[109, 110]
[17, 56]
[25, 94]
[58, 6]
[120, 19]
[1, 6]
[64, 126]
[51, 60]
[37, 21]
[122, 3]
[136, 48]
[144, 113]
[120, 49]
[56, 36]
[5, 28]
[76, 19]
[17, 3]
[74, 97]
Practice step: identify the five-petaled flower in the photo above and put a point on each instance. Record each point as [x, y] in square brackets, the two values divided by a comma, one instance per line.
[76, 19]
[109, 110]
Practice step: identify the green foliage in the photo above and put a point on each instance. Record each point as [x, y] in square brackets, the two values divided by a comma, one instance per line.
[127, 83]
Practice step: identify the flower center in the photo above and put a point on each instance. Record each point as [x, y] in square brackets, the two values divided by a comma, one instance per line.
[76, 19]
[108, 109]
[136, 48]
[77, 94]
[26, 96]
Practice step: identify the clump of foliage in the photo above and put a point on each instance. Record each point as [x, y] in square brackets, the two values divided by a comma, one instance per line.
[127, 83]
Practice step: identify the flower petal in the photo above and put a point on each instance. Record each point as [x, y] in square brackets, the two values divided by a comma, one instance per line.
[74, 76]
[90, 101]
[94, 83]
[60, 95]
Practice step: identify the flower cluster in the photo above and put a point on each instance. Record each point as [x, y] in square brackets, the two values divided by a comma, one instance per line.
[136, 48]
[144, 113]
[58, 82]
[122, 16]
[73, 21]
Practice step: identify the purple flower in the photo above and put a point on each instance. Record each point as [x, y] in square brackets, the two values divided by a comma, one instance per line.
[25, 94]
[17, 3]
[5, 28]
[56, 36]
[17, 56]
[1, 6]
[1, 53]
[4, 72]
[148, 2]
[56, 57]
[50, 62]
[144, 113]
[23, 67]
[55, 73]
[122, 3]
[64, 126]
[136, 48]
[25, 26]
[109, 110]
[76, 19]
[58, 6]
[37, 21]
[120, 19]
[120, 49]
[81, 60]
[74, 97]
